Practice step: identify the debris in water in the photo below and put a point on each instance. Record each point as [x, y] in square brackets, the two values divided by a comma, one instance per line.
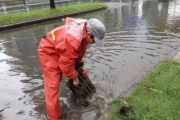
[63, 19]
[126, 110]
[21, 112]
[85, 103]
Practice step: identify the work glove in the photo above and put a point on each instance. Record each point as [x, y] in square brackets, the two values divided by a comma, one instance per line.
[81, 64]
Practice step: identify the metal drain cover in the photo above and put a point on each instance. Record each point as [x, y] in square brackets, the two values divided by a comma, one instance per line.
[85, 88]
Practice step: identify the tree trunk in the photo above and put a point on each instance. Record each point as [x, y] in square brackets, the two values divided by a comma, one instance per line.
[52, 5]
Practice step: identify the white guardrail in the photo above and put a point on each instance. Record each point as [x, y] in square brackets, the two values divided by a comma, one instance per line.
[5, 9]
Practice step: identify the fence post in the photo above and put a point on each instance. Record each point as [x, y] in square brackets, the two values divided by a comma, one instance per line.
[27, 8]
[69, 2]
[4, 8]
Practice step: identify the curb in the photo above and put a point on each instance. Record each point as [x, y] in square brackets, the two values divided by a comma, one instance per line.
[12, 26]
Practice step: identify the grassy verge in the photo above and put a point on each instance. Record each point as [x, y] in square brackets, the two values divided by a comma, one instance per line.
[46, 12]
[156, 97]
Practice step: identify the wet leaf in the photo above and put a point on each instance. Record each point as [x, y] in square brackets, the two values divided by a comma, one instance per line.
[153, 89]
[125, 110]
[146, 109]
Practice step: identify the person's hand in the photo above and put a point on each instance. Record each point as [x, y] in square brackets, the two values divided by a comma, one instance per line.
[76, 81]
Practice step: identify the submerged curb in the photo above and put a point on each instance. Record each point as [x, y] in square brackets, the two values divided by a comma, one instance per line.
[12, 26]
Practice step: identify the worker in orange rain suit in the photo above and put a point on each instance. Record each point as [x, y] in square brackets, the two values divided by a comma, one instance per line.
[60, 50]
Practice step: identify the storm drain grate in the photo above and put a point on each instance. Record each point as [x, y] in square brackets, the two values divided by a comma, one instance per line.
[85, 88]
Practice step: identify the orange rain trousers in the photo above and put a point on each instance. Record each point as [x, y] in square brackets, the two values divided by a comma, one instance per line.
[52, 79]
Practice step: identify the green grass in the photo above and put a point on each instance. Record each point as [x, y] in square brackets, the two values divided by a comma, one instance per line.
[156, 97]
[19, 17]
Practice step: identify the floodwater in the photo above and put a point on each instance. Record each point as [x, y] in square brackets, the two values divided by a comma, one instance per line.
[139, 35]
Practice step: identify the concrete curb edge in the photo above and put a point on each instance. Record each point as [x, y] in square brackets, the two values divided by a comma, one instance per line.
[12, 26]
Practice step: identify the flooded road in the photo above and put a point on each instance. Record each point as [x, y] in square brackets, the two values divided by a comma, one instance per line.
[139, 35]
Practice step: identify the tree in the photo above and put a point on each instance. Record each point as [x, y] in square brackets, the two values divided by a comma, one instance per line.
[52, 5]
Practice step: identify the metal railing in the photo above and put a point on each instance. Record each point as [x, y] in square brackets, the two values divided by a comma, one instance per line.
[10, 6]
[12, 2]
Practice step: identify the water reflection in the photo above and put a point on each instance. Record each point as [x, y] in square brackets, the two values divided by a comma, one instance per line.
[139, 35]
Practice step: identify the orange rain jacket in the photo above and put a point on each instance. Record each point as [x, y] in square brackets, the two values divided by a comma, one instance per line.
[58, 52]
